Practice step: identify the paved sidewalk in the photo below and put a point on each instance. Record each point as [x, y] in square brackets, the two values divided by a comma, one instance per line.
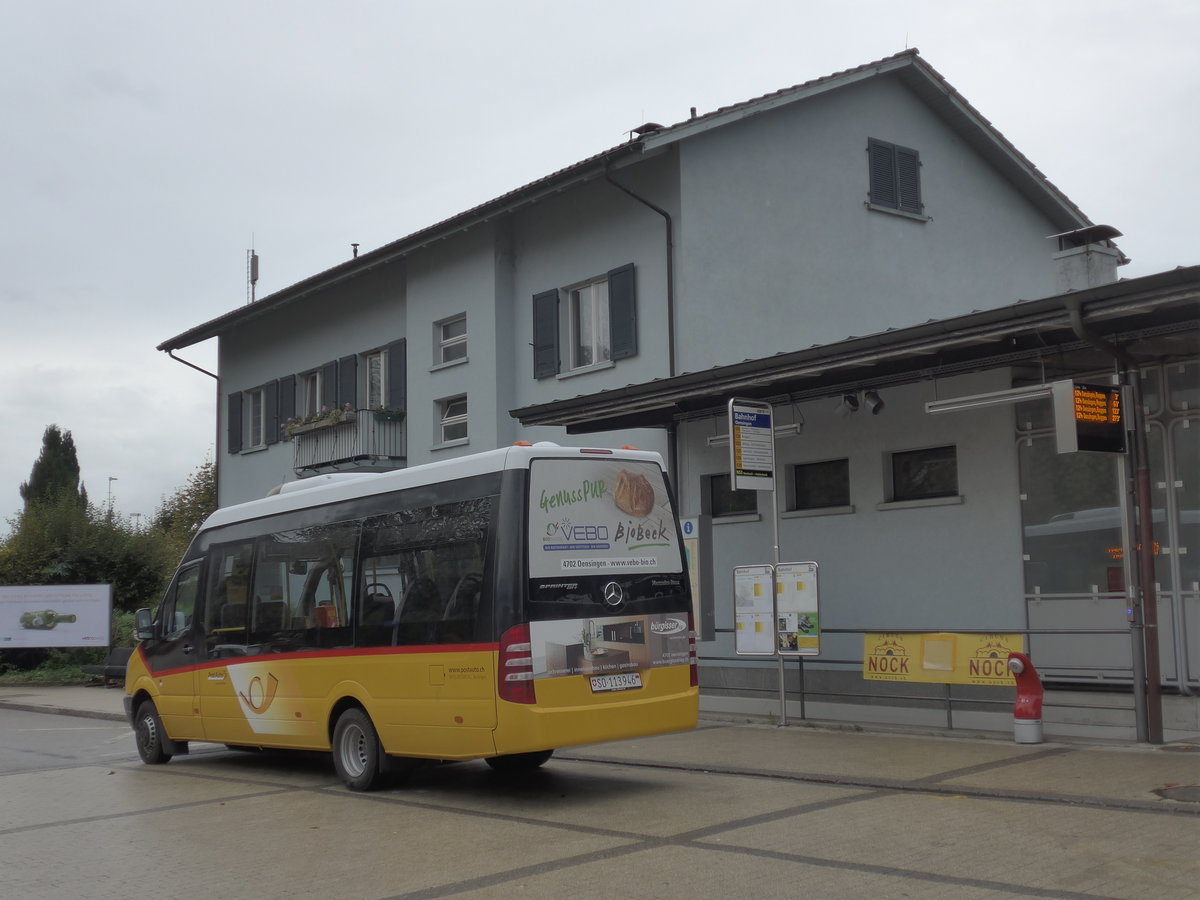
[1092, 774]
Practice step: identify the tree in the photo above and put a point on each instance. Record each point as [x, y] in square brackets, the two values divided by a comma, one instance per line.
[57, 542]
[180, 516]
[55, 472]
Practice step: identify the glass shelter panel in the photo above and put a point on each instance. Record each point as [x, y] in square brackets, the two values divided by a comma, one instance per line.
[1071, 516]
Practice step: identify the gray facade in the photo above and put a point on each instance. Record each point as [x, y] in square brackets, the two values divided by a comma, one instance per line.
[755, 231]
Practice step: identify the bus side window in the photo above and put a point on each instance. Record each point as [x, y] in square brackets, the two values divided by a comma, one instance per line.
[180, 606]
[298, 596]
[226, 611]
[422, 574]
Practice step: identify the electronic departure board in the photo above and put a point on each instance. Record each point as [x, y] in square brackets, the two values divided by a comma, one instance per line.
[1088, 417]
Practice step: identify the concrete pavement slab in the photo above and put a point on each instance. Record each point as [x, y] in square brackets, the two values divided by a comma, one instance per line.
[1092, 772]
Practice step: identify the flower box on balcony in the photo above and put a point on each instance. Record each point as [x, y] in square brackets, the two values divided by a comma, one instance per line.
[330, 419]
[389, 415]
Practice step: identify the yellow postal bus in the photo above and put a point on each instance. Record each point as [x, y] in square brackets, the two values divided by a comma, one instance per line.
[495, 606]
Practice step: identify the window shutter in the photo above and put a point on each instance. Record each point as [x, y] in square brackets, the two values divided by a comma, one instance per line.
[622, 312]
[287, 398]
[329, 385]
[908, 180]
[545, 334]
[271, 412]
[881, 158]
[397, 375]
[348, 381]
[234, 422]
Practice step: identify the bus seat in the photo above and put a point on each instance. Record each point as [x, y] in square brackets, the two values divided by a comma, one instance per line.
[464, 599]
[420, 611]
[421, 602]
[378, 610]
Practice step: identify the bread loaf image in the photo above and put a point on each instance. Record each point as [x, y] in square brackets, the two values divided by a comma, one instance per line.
[633, 494]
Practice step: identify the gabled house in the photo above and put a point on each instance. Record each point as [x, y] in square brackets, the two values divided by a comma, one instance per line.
[862, 203]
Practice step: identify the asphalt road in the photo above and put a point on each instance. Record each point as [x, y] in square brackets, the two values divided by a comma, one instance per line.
[81, 816]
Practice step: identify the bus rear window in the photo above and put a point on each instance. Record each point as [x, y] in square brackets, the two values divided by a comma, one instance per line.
[596, 516]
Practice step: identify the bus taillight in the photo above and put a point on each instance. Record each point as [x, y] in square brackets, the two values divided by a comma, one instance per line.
[515, 671]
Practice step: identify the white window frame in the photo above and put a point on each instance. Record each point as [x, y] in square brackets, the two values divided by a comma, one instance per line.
[446, 345]
[310, 393]
[596, 318]
[376, 390]
[452, 416]
[255, 433]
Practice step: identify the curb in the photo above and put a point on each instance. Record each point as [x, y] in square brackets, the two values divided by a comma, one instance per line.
[61, 711]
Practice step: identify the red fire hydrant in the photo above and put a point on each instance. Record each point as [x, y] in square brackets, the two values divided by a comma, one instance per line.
[1027, 711]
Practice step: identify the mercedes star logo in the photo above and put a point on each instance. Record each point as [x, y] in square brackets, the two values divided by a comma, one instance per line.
[614, 594]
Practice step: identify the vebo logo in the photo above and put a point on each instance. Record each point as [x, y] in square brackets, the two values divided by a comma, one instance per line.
[573, 532]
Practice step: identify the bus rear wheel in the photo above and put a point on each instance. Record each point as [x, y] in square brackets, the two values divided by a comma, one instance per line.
[148, 733]
[356, 751]
[519, 762]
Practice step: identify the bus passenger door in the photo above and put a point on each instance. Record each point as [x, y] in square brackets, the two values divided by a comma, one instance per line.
[226, 618]
[173, 657]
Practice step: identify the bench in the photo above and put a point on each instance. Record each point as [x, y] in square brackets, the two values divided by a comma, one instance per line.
[113, 668]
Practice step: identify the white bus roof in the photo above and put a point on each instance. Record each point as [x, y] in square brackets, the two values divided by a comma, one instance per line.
[321, 490]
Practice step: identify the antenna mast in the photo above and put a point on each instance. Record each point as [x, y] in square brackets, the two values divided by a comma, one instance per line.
[251, 271]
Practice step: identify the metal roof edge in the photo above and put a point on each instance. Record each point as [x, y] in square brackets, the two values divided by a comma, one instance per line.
[784, 97]
[1017, 160]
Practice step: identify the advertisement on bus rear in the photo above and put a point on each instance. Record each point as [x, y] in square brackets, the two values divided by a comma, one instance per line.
[600, 517]
[609, 645]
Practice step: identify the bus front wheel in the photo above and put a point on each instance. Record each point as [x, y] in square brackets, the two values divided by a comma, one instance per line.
[148, 731]
[519, 762]
[356, 751]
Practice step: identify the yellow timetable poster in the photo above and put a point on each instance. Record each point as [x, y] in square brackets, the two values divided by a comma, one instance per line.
[754, 612]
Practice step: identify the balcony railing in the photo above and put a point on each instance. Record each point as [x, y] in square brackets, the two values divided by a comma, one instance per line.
[363, 438]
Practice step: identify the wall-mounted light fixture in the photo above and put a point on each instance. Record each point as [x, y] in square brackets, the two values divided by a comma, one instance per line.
[847, 405]
[995, 398]
[873, 402]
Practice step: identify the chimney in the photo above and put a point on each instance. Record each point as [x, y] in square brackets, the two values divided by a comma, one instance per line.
[1086, 257]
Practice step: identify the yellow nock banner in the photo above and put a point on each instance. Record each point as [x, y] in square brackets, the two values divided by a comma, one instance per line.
[940, 657]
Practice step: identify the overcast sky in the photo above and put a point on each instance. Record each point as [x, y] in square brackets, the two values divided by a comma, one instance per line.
[145, 145]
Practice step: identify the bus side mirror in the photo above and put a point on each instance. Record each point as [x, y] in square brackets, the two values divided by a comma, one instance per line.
[143, 624]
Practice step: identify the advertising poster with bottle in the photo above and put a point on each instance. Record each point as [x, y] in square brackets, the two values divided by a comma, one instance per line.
[65, 615]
